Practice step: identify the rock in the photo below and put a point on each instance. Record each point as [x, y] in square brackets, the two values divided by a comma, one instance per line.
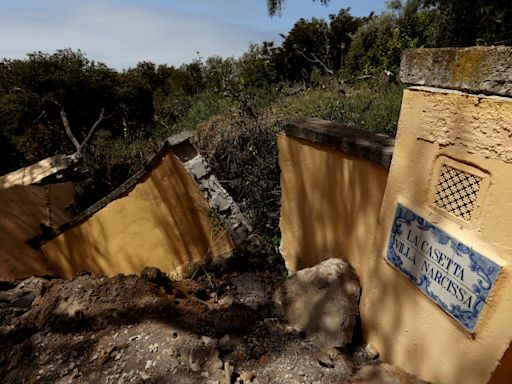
[197, 167]
[225, 301]
[151, 274]
[324, 359]
[144, 376]
[371, 352]
[246, 377]
[322, 301]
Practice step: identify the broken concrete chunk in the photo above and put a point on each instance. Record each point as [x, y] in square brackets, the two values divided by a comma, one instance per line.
[197, 167]
[322, 301]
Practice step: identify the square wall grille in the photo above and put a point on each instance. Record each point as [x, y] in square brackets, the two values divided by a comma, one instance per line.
[457, 191]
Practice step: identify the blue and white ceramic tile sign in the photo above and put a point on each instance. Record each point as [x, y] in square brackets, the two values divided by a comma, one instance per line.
[453, 275]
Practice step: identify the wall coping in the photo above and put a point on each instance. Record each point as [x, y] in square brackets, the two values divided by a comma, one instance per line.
[486, 70]
[120, 191]
[375, 147]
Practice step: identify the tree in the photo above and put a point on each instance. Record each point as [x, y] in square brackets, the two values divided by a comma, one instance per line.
[342, 27]
[275, 6]
[316, 45]
[470, 22]
[53, 104]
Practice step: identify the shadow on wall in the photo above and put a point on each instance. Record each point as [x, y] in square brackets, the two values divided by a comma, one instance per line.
[331, 202]
[164, 221]
[22, 210]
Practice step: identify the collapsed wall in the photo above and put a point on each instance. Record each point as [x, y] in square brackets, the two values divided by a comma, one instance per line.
[160, 217]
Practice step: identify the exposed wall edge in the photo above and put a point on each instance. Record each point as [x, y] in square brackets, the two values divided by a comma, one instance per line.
[374, 147]
[194, 163]
[486, 70]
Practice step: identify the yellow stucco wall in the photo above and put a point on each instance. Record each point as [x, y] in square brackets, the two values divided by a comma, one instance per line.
[330, 202]
[22, 209]
[164, 221]
[405, 326]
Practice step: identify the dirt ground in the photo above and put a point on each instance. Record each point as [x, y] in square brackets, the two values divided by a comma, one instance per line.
[130, 329]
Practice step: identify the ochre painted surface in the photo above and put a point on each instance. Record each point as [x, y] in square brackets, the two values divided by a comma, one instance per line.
[163, 222]
[405, 326]
[330, 202]
[22, 209]
[478, 125]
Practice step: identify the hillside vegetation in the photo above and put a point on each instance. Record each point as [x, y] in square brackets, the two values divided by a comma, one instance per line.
[343, 69]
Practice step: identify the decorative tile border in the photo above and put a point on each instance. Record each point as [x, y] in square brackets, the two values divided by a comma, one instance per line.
[450, 273]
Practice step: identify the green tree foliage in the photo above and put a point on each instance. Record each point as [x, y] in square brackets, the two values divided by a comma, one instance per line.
[315, 45]
[33, 91]
[378, 44]
[275, 6]
[470, 22]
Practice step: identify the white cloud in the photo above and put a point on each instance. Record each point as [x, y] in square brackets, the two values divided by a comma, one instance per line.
[117, 34]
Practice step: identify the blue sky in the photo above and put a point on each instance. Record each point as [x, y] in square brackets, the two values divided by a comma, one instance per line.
[121, 33]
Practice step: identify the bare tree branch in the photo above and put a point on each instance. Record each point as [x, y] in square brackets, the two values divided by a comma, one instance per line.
[67, 127]
[315, 60]
[93, 129]
[79, 146]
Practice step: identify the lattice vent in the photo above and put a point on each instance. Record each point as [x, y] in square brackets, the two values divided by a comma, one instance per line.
[456, 192]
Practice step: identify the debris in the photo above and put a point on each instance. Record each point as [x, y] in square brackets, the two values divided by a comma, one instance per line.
[97, 329]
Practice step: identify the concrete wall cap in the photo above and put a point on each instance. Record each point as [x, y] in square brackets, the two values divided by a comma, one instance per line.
[486, 70]
[179, 138]
[377, 148]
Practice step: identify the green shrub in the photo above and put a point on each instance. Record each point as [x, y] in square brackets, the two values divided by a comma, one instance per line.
[202, 109]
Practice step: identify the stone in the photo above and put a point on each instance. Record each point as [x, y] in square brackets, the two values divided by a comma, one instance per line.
[485, 70]
[371, 352]
[246, 377]
[197, 167]
[151, 274]
[323, 302]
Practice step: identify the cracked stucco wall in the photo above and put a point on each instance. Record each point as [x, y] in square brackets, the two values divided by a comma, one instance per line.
[403, 324]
